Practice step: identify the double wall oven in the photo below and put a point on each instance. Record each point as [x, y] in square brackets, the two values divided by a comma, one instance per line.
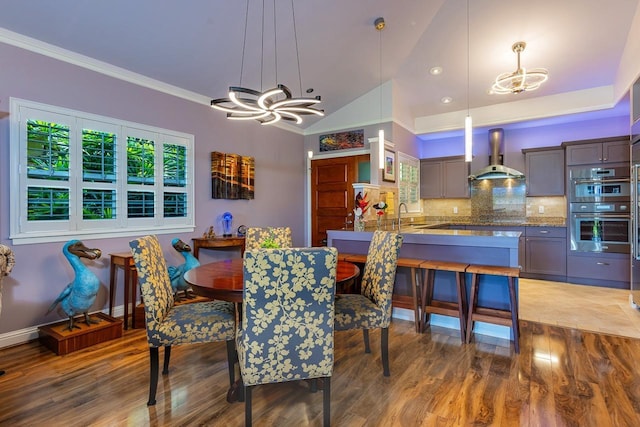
[600, 209]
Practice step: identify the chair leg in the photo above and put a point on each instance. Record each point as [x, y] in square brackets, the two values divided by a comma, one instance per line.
[153, 373]
[365, 335]
[247, 406]
[231, 360]
[326, 401]
[384, 347]
[313, 385]
[167, 356]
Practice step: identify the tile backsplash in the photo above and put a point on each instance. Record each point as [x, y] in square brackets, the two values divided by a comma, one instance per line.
[534, 207]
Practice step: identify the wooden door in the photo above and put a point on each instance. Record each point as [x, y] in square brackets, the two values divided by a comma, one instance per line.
[332, 194]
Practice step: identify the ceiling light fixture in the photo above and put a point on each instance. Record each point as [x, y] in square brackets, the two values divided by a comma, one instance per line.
[274, 104]
[380, 24]
[468, 122]
[446, 100]
[434, 71]
[520, 80]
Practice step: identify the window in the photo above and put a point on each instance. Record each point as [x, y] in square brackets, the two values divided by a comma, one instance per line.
[409, 181]
[76, 174]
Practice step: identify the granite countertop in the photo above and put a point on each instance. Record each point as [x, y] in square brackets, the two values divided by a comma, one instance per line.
[525, 222]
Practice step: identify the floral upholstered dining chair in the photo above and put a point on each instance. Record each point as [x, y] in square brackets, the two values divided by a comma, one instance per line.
[168, 324]
[372, 307]
[267, 237]
[287, 319]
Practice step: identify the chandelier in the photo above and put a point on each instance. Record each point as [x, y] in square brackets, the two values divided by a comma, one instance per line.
[272, 105]
[520, 80]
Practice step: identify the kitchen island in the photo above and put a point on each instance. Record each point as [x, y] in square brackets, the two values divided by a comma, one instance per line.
[499, 248]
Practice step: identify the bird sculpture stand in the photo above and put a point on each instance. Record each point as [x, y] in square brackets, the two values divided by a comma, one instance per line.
[176, 273]
[79, 295]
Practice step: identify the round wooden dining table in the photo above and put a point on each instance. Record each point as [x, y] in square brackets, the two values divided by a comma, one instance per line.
[222, 280]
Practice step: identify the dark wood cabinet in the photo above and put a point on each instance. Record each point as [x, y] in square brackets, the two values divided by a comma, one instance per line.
[544, 171]
[444, 177]
[546, 252]
[598, 151]
[612, 270]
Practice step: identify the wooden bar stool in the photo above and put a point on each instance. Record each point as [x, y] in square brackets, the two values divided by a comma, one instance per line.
[491, 315]
[124, 260]
[456, 308]
[414, 265]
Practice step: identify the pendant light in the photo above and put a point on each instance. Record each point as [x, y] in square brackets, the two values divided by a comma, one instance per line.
[274, 104]
[380, 24]
[468, 122]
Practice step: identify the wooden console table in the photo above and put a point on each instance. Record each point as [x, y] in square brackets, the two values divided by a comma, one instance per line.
[217, 243]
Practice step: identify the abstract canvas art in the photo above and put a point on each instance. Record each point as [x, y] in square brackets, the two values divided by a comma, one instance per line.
[342, 140]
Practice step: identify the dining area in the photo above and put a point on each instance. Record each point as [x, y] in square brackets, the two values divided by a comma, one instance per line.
[276, 308]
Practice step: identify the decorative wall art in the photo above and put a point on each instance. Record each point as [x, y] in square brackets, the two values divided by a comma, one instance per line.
[389, 172]
[342, 140]
[232, 176]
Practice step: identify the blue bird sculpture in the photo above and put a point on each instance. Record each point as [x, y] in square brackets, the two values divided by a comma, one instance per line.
[176, 273]
[80, 294]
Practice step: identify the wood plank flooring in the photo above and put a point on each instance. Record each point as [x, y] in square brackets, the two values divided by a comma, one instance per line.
[562, 377]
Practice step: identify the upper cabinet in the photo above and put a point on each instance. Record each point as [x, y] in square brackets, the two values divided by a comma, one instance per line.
[597, 151]
[544, 171]
[444, 177]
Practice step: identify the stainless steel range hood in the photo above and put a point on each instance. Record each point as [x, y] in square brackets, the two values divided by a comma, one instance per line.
[496, 170]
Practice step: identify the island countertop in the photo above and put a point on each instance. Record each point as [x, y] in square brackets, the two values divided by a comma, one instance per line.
[498, 248]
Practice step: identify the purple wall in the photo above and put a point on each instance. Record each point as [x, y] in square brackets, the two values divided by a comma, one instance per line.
[41, 271]
[518, 137]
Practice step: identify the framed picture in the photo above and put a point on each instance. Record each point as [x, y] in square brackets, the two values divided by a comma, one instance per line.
[389, 172]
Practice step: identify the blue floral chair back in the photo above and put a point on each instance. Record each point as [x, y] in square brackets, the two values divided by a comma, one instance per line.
[267, 237]
[288, 318]
[379, 273]
[372, 308]
[168, 324]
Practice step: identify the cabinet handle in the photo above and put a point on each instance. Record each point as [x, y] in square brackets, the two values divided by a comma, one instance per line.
[544, 231]
[602, 263]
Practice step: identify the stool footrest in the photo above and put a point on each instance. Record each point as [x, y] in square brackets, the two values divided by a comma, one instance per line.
[491, 315]
[445, 308]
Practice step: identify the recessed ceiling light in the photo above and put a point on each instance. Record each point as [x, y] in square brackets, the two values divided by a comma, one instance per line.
[435, 71]
[446, 100]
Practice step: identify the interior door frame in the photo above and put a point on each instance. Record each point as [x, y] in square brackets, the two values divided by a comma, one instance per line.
[329, 155]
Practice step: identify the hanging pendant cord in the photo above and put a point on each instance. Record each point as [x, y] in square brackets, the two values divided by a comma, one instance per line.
[244, 43]
[380, 72]
[468, 61]
[295, 36]
[275, 40]
[262, 53]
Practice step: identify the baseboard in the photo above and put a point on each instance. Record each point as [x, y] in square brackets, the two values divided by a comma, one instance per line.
[25, 335]
[496, 331]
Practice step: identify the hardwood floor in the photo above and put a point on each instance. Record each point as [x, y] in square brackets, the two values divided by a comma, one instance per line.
[562, 377]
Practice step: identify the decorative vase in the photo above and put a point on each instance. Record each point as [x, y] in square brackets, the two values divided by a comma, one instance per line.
[358, 224]
[379, 222]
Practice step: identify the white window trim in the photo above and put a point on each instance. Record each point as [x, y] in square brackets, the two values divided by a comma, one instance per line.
[416, 206]
[57, 231]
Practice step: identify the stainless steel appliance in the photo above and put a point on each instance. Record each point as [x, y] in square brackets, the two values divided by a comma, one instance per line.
[599, 184]
[600, 227]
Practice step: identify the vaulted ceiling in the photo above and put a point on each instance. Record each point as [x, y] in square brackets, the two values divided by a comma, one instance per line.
[197, 46]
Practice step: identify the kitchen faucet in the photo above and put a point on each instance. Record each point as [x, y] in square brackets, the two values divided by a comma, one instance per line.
[399, 212]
